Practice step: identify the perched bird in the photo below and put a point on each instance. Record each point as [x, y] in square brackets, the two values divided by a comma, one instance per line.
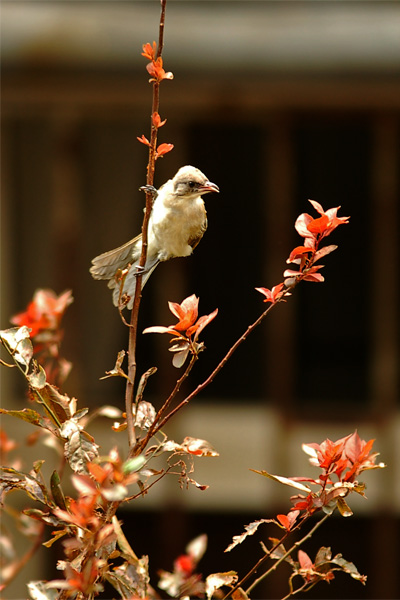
[177, 223]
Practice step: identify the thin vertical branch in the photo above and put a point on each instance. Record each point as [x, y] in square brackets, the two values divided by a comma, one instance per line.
[130, 384]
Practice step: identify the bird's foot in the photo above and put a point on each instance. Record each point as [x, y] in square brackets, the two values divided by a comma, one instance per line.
[149, 189]
[141, 271]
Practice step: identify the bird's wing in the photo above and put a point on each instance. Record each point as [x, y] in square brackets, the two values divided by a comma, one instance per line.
[193, 241]
[105, 265]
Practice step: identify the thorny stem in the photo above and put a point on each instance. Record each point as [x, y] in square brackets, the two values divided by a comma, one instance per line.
[149, 205]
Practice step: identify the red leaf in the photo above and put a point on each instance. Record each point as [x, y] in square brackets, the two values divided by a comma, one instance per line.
[156, 120]
[283, 520]
[298, 253]
[304, 560]
[184, 564]
[302, 223]
[44, 312]
[149, 51]
[273, 295]
[202, 322]
[318, 226]
[156, 70]
[163, 149]
[186, 312]
[288, 520]
[143, 140]
[324, 251]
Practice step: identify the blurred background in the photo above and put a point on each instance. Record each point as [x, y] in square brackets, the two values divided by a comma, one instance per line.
[277, 102]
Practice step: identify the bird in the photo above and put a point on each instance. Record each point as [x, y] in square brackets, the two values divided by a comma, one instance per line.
[177, 223]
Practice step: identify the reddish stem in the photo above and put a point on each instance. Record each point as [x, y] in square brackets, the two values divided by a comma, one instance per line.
[130, 384]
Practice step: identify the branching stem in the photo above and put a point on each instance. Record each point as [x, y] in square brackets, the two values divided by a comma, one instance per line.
[288, 553]
[223, 362]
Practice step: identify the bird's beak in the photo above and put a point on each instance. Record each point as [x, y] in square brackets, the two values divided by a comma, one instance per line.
[209, 187]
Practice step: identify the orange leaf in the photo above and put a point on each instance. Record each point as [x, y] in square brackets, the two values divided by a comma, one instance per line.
[156, 120]
[143, 140]
[149, 51]
[298, 252]
[318, 226]
[163, 149]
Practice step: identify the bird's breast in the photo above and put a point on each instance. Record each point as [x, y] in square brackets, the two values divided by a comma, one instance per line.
[175, 227]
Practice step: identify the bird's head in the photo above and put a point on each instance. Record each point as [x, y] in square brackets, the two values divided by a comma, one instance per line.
[190, 181]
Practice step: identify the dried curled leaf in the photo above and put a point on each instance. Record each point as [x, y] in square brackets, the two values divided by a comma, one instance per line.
[250, 529]
[117, 371]
[284, 480]
[191, 445]
[217, 580]
[80, 448]
[18, 344]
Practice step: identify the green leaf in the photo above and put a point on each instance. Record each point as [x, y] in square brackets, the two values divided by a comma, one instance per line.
[56, 490]
[27, 414]
[56, 536]
[12, 479]
[133, 464]
[40, 515]
[123, 542]
[349, 567]
[344, 508]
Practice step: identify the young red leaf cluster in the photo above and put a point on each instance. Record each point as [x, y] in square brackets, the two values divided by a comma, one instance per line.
[274, 295]
[162, 149]
[346, 459]
[43, 317]
[313, 230]
[158, 74]
[187, 330]
[44, 312]
[155, 66]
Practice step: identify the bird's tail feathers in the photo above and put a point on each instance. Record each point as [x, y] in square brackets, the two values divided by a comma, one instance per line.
[130, 282]
[106, 265]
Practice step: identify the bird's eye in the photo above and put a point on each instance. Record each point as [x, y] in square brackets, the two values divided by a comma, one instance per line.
[191, 184]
